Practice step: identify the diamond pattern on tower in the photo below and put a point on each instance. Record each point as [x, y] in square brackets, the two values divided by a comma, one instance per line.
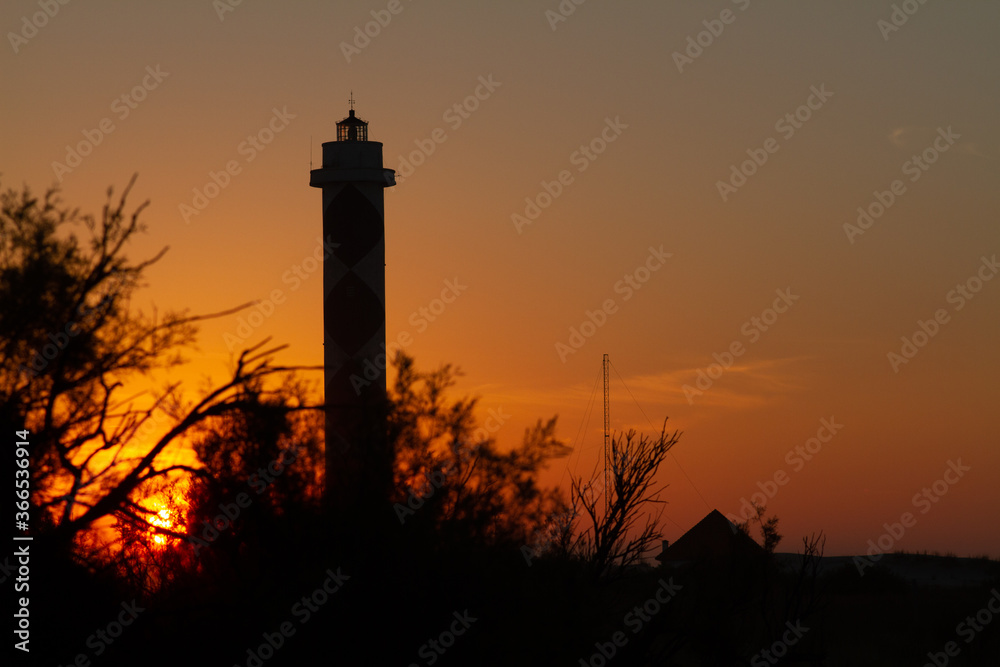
[354, 385]
[353, 313]
[354, 223]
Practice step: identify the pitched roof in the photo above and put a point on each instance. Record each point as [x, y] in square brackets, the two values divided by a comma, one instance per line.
[712, 538]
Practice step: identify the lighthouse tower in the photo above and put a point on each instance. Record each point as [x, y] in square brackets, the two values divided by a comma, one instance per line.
[352, 180]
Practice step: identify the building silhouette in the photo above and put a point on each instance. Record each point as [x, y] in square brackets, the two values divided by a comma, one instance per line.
[352, 180]
[714, 540]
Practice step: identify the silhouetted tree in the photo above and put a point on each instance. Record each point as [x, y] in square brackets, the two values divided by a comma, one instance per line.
[69, 343]
[459, 485]
[143, 552]
[769, 535]
[612, 537]
[273, 450]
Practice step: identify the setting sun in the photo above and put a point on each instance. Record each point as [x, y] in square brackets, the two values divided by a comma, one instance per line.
[163, 520]
[166, 510]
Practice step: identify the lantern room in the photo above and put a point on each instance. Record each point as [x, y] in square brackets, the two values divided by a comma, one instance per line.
[352, 128]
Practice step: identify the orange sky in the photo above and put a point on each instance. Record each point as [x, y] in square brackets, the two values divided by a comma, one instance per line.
[664, 123]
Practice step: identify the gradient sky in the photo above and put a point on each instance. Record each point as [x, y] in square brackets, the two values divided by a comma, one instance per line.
[681, 128]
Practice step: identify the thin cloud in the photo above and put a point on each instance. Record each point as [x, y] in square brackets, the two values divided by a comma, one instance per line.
[919, 137]
[909, 136]
[743, 385]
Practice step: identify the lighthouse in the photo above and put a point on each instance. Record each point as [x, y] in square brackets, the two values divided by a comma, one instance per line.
[352, 180]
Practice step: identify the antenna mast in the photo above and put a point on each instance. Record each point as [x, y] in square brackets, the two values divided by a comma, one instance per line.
[608, 463]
